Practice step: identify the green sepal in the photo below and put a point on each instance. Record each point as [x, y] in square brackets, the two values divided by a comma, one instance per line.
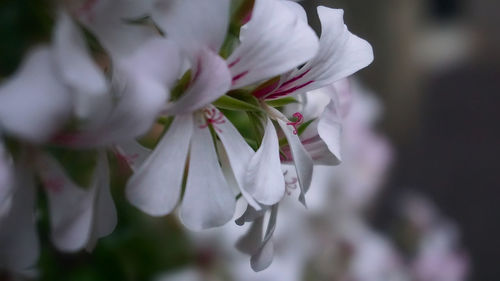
[230, 103]
[302, 127]
[281, 102]
[181, 86]
[239, 10]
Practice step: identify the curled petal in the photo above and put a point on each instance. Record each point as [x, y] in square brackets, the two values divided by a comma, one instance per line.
[251, 242]
[340, 54]
[265, 254]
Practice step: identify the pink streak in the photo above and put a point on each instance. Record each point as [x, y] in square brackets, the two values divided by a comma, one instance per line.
[289, 91]
[261, 93]
[234, 62]
[294, 79]
[235, 78]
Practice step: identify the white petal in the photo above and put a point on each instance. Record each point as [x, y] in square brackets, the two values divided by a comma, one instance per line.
[6, 181]
[19, 246]
[340, 54]
[105, 217]
[251, 215]
[75, 65]
[134, 153]
[341, 93]
[264, 177]
[330, 128]
[251, 242]
[297, 9]
[107, 19]
[239, 154]
[211, 80]
[264, 256]
[34, 103]
[208, 200]
[143, 80]
[194, 24]
[318, 150]
[155, 188]
[70, 206]
[276, 40]
[302, 160]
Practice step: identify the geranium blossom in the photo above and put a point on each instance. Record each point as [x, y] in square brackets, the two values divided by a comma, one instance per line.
[211, 78]
[209, 86]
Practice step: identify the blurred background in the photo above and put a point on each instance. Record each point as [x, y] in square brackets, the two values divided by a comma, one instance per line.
[437, 69]
[437, 75]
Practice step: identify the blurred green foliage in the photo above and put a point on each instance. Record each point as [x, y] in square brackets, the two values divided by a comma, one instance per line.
[23, 23]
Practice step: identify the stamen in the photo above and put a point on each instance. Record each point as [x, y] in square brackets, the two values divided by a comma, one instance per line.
[213, 117]
[294, 124]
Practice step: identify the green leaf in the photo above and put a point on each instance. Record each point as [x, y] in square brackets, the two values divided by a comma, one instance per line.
[281, 102]
[230, 103]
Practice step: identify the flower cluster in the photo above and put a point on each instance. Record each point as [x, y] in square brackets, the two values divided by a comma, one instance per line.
[212, 82]
[337, 241]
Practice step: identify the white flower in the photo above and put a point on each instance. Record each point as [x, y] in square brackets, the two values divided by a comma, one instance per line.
[340, 54]
[155, 188]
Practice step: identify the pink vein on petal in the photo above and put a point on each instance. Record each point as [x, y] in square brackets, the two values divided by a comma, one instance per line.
[289, 91]
[234, 62]
[294, 79]
[239, 76]
[261, 93]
